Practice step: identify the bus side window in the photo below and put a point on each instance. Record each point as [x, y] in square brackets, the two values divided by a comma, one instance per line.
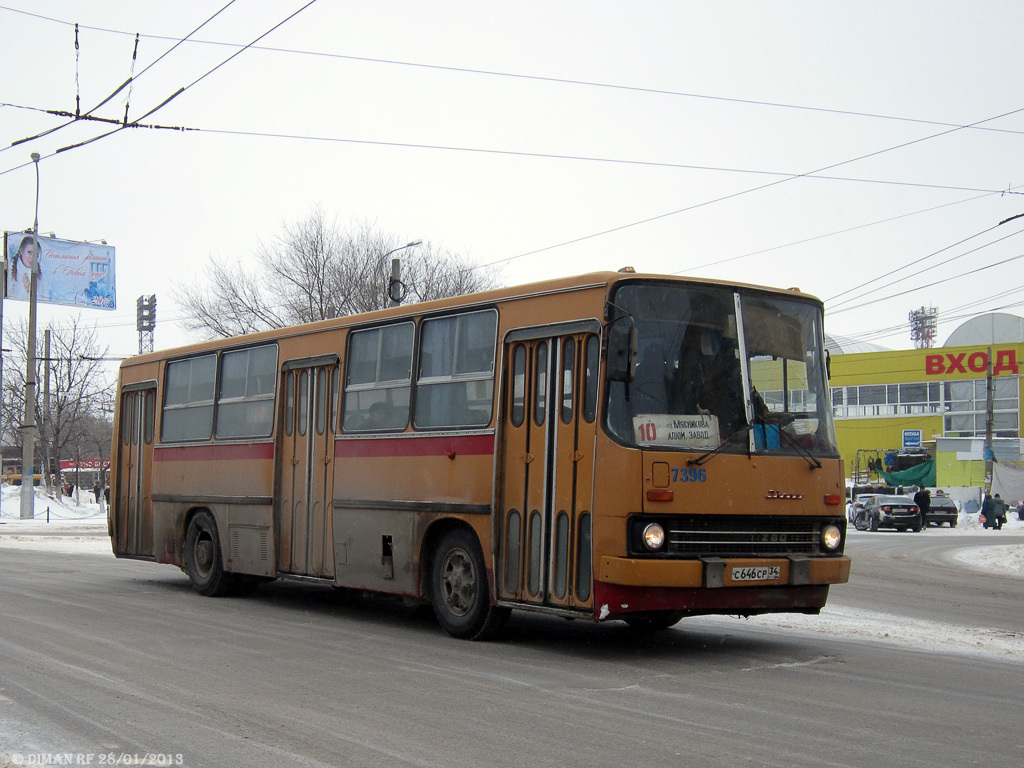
[540, 388]
[568, 379]
[335, 379]
[455, 379]
[126, 418]
[148, 416]
[378, 378]
[321, 400]
[245, 402]
[591, 363]
[289, 402]
[188, 399]
[518, 410]
[303, 400]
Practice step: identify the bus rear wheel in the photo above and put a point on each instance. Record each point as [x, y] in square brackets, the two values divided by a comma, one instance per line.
[203, 561]
[458, 588]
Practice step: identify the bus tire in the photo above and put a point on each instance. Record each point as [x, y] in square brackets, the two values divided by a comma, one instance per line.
[459, 591]
[203, 561]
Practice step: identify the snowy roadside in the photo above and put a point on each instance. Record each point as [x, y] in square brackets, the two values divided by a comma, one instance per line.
[59, 525]
[82, 529]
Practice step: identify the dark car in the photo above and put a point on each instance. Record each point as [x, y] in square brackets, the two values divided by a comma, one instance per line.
[899, 512]
[942, 510]
[856, 505]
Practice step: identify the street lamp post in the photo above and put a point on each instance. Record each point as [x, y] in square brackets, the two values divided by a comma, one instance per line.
[28, 427]
[395, 293]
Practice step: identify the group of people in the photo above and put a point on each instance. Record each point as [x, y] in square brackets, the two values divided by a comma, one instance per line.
[993, 508]
[68, 489]
[993, 512]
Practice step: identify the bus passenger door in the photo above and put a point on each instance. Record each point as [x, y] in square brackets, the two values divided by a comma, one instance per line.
[306, 472]
[549, 428]
[134, 510]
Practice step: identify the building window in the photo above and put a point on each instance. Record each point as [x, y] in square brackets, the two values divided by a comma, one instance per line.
[963, 404]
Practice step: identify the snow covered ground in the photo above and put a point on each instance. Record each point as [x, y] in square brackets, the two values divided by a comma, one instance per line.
[82, 529]
[72, 528]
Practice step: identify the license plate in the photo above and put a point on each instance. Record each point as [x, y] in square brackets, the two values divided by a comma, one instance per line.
[757, 573]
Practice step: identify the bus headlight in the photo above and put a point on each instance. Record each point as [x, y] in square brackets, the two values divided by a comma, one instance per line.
[831, 537]
[654, 537]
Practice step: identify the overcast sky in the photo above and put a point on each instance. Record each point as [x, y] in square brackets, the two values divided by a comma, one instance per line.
[815, 144]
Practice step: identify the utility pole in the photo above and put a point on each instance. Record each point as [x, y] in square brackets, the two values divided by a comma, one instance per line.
[28, 427]
[990, 395]
[396, 289]
[47, 413]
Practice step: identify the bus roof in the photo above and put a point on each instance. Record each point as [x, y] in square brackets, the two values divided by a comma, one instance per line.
[492, 296]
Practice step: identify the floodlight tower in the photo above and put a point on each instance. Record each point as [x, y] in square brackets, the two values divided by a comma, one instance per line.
[145, 308]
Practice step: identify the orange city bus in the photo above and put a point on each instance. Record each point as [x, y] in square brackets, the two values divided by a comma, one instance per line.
[607, 446]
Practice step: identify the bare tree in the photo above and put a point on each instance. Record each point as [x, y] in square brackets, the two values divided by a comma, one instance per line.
[79, 389]
[313, 271]
[92, 440]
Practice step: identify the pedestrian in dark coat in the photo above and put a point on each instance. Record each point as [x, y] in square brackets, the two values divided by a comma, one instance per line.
[999, 510]
[923, 499]
[988, 511]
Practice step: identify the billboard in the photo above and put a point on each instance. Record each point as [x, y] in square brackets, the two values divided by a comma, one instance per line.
[78, 274]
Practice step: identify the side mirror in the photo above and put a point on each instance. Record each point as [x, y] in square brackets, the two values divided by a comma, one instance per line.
[623, 341]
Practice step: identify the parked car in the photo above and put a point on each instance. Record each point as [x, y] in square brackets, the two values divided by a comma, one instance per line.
[942, 510]
[858, 502]
[899, 512]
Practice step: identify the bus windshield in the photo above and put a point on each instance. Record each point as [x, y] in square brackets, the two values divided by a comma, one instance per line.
[722, 370]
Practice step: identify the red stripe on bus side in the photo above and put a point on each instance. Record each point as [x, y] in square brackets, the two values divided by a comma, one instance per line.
[214, 452]
[442, 445]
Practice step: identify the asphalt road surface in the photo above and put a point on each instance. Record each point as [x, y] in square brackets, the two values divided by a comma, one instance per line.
[106, 662]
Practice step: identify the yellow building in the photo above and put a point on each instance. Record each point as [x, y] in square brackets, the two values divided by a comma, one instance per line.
[884, 401]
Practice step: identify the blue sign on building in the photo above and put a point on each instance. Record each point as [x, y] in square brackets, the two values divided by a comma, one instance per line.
[911, 438]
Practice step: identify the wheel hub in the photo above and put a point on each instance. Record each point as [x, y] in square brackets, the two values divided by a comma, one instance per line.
[458, 582]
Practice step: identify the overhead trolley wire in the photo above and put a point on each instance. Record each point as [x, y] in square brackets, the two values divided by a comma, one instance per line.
[538, 78]
[844, 231]
[952, 127]
[930, 285]
[807, 174]
[917, 261]
[125, 84]
[183, 89]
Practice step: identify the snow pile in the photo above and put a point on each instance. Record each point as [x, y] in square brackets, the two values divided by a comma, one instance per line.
[60, 524]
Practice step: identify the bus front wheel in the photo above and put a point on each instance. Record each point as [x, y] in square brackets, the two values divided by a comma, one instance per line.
[203, 561]
[458, 588]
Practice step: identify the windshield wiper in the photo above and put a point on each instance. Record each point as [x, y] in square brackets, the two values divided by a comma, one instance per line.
[714, 451]
[807, 455]
[790, 440]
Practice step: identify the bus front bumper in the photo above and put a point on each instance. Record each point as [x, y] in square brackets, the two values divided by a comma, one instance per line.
[716, 586]
[714, 572]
